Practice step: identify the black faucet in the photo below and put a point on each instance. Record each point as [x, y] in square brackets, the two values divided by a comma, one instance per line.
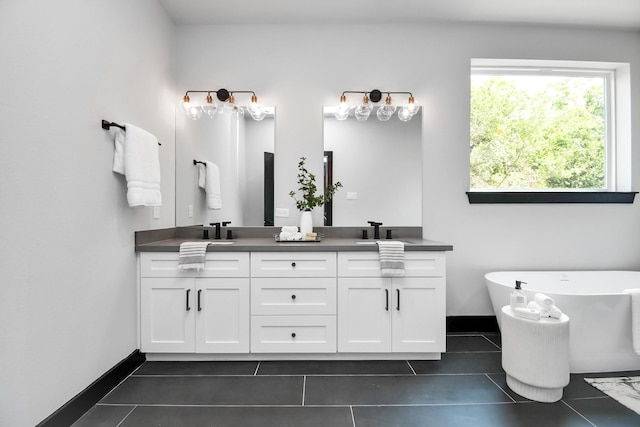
[376, 228]
[229, 232]
[217, 226]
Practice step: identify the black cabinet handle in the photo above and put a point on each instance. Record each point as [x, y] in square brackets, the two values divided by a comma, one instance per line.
[293, 334]
[386, 307]
[188, 292]
[398, 305]
[293, 264]
[199, 306]
[293, 297]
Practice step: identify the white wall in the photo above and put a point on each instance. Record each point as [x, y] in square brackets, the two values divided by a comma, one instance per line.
[299, 69]
[68, 269]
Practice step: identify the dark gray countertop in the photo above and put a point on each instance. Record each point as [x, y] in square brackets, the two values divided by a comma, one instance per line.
[261, 239]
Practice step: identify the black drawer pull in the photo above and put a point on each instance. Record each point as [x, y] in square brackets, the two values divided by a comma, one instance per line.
[188, 292]
[293, 297]
[398, 306]
[293, 264]
[293, 334]
[199, 306]
[386, 307]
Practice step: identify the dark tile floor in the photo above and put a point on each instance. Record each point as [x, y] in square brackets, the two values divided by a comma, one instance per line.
[466, 388]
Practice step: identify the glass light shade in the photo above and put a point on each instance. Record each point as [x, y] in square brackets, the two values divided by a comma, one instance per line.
[194, 112]
[257, 114]
[342, 113]
[363, 111]
[237, 112]
[404, 114]
[383, 115]
[210, 109]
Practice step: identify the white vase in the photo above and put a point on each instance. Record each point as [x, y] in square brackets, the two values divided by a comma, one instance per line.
[306, 223]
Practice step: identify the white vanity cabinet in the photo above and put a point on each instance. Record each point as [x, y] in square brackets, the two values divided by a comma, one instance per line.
[400, 314]
[293, 302]
[194, 312]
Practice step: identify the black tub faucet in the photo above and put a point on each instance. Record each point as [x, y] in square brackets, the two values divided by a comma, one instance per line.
[376, 228]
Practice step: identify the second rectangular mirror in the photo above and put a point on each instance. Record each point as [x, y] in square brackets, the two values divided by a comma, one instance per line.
[380, 165]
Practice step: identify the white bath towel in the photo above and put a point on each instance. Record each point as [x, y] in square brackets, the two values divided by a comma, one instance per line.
[289, 229]
[635, 317]
[137, 157]
[209, 181]
[391, 258]
[192, 255]
[553, 312]
[544, 300]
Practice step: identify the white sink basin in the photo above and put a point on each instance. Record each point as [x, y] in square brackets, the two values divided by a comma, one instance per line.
[374, 242]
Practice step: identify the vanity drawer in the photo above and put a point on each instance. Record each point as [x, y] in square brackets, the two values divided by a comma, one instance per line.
[291, 296]
[293, 334]
[217, 264]
[293, 264]
[367, 264]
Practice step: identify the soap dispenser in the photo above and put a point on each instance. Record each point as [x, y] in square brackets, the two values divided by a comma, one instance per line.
[518, 296]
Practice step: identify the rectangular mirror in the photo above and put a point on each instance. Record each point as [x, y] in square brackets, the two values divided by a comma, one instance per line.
[379, 164]
[243, 150]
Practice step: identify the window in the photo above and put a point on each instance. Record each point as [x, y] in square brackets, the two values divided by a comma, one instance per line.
[543, 128]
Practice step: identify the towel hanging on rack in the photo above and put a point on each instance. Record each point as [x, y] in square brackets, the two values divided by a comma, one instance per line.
[106, 125]
[137, 158]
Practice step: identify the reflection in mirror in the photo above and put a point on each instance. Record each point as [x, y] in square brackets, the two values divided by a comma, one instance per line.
[380, 165]
[243, 150]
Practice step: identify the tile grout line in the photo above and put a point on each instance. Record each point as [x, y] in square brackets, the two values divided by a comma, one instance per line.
[501, 389]
[257, 367]
[353, 418]
[496, 345]
[577, 412]
[127, 416]
[304, 388]
[411, 367]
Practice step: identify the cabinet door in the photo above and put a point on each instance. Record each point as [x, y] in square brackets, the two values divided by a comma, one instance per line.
[418, 314]
[222, 315]
[167, 318]
[364, 314]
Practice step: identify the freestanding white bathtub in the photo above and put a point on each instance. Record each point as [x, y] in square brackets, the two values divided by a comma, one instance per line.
[599, 312]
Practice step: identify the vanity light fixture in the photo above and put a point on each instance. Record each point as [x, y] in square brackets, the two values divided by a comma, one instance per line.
[384, 113]
[226, 104]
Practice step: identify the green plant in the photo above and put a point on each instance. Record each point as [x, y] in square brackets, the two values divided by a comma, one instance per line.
[308, 189]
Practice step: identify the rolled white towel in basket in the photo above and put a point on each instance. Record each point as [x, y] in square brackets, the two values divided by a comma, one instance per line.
[544, 300]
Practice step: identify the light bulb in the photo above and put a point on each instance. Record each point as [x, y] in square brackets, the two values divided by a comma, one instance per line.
[186, 103]
[342, 112]
[404, 114]
[194, 112]
[255, 110]
[363, 110]
[413, 108]
[386, 111]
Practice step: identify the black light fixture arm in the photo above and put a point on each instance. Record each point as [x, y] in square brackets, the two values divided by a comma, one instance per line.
[223, 95]
[375, 95]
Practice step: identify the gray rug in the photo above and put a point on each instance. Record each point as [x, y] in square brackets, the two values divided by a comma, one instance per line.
[625, 390]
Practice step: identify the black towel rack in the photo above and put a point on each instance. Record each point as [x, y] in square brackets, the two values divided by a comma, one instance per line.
[195, 162]
[106, 125]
